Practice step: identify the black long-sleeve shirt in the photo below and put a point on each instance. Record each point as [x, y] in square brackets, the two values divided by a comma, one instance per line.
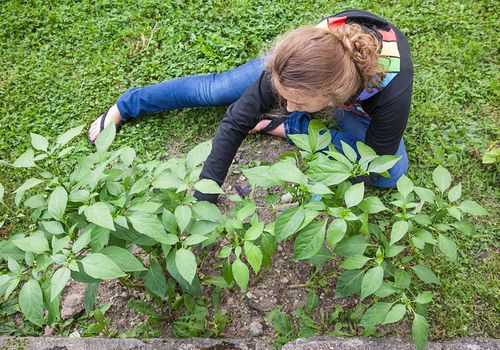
[388, 109]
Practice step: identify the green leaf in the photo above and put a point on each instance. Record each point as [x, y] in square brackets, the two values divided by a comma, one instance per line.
[149, 225]
[375, 315]
[425, 194]
[241, 273]
[139, 186]
[69, 135]
[100, 215]
[425, 236]
[123, 258]
[25, 160]
[336, 231]
[288, 223]
[310, 240]
[417, 242]
[397, 313]
[405, 186]
[128, 155]
[424, 297]
[90, 296]
[185, 262]
[254, 255]
[402, 279]
[195, 239]
[57, 203]
[58, 281]
[28, 184]
[167, 180]
[262, 176]
[349, 283]
[420, 331]
[99, 266]
[31, 302]
[383, 163]
[286, 170]
[354, 262]
[385, 290]
[372, 205]
[441, 178]
[105, 138]
[355, 245]
[455, 193]
[53, 306]
[372, 281]
[354, 194]
[206, 211]
[193, 288]
[169, 221]
[318, 140]
[224, 252]
[82, 240]
[39, 142]
[366, 153]
[301, 141]
[349, 152]
[246, 211]
[36, 243]
[399, 229]
[53, 227]
[254, 231]
[472, 207]
[208, 186]
[155, 281]
[425, 274]
[448, 247]
[2, 193]
[198, 154]
[183, 215]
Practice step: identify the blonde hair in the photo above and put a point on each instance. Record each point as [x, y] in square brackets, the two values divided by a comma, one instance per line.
[334, 63]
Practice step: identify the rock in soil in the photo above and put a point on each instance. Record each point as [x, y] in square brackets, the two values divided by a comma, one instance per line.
[255, 329]
[72, 299]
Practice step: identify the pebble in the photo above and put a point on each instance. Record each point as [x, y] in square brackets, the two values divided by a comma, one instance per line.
[255, 329]
[286, 198]
[284, 280]
[249, 295]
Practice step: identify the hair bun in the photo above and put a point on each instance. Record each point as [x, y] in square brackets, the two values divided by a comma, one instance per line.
[363, 49]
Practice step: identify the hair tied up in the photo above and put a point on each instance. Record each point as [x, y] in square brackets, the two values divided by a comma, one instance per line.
[363, 49]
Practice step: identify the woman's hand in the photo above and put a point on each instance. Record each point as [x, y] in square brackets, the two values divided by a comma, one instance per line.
[279, 131]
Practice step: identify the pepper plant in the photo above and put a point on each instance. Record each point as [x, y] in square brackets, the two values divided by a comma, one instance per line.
[115, 218]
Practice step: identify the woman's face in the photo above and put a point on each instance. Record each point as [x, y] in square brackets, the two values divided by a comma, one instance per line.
[303, 103]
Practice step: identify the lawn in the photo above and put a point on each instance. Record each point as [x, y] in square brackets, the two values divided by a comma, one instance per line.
[62, 63]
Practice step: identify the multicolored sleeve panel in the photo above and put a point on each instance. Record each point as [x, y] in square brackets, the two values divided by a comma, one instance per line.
[389, 54]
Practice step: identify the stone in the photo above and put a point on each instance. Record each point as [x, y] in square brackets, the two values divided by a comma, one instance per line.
[255, 329]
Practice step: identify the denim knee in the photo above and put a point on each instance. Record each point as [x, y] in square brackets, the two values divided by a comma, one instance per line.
[296, 123]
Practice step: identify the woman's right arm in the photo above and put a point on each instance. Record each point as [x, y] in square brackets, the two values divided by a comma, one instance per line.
[241, 117]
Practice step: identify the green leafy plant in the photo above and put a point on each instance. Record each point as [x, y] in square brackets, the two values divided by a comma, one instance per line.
[140, 224]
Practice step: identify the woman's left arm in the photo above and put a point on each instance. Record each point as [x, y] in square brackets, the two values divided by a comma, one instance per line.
[388, 122]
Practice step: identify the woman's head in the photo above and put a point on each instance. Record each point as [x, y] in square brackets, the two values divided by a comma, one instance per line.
[313, 67]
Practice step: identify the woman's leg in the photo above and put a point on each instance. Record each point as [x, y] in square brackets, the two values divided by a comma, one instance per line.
[354, 129]
[204, 90]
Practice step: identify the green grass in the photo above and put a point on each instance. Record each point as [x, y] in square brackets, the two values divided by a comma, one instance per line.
[62, 63]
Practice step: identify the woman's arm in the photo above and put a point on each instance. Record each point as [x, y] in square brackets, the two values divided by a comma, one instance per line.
[241, 117]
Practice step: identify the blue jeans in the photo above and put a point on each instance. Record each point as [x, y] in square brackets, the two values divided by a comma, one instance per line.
[209, 90]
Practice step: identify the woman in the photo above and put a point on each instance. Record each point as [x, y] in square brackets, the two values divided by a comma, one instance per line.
[354, 62]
